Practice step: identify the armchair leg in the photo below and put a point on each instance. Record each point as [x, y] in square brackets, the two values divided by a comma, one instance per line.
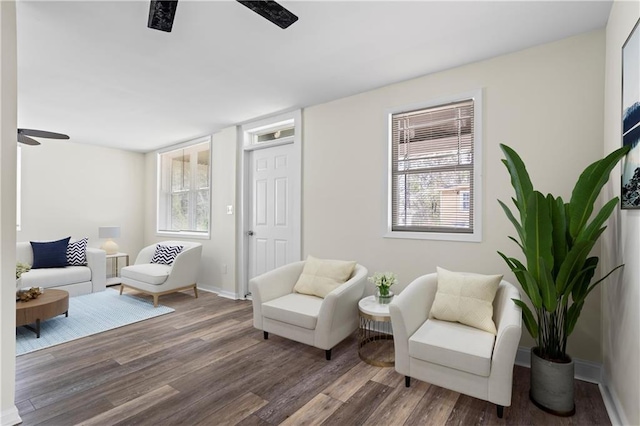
[407, 381]
[327, 354]
[195, 290]
[265, 334]
[500, 411]
[121, 288]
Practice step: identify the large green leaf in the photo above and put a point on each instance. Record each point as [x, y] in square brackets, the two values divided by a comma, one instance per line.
[580, 285]
[572, 265]
[529, 320]
[533, 289]
[594, 229]
[559, 221]
[594, 285]
[528, 284]
[588, 187]
[513, 220]
[572, 317]
[547, 288]
[519, 178]
[538, 230]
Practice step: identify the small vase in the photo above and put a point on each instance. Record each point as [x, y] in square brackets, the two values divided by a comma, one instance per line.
[384, 299]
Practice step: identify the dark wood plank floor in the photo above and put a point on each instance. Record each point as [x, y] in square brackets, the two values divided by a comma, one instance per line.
[205, 364]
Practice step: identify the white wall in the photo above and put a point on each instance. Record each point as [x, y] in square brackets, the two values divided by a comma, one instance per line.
[70, 189]
[621, 301]
[8, 118]
[217, 269]
[546, 102]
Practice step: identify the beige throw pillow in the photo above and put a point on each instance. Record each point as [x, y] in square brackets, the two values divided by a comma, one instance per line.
[466, 298]
[320, 276]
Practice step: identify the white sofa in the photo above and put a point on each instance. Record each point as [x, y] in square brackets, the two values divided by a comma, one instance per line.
[77, 280]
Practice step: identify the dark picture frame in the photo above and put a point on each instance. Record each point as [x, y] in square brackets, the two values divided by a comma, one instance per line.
[630, 190]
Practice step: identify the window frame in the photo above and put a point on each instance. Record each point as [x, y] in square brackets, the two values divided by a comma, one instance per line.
[19, 189]
[167, 197]
[476, 235]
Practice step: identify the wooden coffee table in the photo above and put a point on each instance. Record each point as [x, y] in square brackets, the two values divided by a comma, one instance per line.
[49, 304]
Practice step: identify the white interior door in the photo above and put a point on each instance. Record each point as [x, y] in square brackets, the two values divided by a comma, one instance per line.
[274, 233]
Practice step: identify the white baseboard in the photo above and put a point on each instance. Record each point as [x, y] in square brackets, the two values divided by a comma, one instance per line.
[10, 417]
[221, 293]
[612, 404]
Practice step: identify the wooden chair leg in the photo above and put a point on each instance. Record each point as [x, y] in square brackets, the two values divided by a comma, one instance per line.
[265, 334]
[195, 290]
[327, 354]
[407, 381]
[155, 300]
[500, 411]
[121, 288]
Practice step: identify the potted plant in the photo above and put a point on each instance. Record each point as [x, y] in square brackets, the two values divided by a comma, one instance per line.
[383, 281]
[557, 272]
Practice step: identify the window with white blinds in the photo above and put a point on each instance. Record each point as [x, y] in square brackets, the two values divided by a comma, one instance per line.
[433, 169]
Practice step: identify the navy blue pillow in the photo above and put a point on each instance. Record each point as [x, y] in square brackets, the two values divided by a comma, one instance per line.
[50, 254]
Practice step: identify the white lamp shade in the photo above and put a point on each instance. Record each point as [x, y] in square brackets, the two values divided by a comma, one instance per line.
[109, 231]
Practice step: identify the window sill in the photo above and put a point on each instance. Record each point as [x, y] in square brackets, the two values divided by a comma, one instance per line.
[437, 236]
[186, 235]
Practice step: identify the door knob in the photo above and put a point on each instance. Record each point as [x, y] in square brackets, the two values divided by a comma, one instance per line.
[250, 233]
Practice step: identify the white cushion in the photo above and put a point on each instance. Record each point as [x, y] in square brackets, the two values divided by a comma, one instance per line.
[54, 277]
[295, 309]
[453, 345]
[466, 298]
[150, 273]
[320, 276]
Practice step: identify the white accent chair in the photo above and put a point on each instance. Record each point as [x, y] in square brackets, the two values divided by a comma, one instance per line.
[158, 279]
[322, 323]
[452, 355]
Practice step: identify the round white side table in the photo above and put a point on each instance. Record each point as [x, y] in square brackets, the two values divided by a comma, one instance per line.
[375, 335]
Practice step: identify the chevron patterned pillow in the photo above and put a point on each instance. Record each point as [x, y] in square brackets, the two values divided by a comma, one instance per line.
[166, 254]
[77, 252]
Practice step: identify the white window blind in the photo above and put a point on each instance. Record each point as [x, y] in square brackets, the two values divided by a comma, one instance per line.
[432, 177]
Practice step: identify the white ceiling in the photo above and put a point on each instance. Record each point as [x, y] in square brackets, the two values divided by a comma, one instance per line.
[95, 71]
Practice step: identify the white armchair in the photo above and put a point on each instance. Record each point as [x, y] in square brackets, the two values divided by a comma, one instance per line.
[452, 355]
[314, 321]
[158, 279]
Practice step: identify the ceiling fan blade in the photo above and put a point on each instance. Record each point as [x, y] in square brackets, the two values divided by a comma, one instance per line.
[272, 11]
[41, 134]
[27, 140]
[161, 14]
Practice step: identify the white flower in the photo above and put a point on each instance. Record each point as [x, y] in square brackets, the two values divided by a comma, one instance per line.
[383, 280]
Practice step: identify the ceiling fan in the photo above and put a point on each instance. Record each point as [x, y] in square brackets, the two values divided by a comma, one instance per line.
[161, 13]
[24, 136]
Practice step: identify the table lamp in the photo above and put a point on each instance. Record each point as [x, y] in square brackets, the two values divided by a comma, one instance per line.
[109, 232]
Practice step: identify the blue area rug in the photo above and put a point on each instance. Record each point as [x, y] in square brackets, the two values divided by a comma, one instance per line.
[88, 314]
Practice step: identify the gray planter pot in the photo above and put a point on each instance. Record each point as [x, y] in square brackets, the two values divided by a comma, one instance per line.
[552, 385]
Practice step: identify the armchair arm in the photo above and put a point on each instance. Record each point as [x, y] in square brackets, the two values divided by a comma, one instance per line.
[185, 268]
[338, 315]
[508, 318]
[97, 262]
[145, 255]
[271, 285]
[409, 310]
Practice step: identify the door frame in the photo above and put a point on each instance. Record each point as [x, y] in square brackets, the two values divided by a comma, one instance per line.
[246, 145]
